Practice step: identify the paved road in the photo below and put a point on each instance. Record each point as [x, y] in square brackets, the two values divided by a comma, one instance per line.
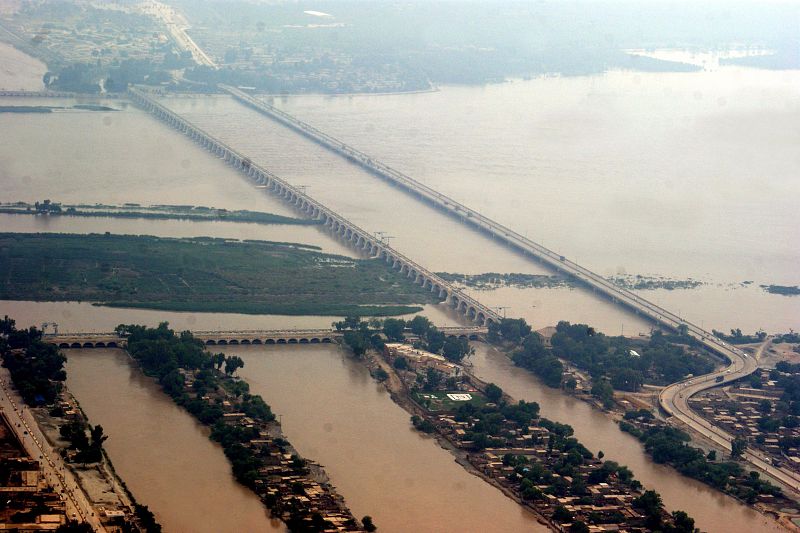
[674, 399]
[177, 26]
[53, 468]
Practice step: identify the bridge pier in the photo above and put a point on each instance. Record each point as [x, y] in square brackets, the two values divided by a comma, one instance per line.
[347, 231]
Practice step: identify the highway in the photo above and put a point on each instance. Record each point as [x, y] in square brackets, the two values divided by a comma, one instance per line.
[177, 26]
[674, 399]
[313, 207]
[55, 471]
[740, 364]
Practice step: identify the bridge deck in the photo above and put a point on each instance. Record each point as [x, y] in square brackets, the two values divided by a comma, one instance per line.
[502, 233]
[242, 337]
[359, 237]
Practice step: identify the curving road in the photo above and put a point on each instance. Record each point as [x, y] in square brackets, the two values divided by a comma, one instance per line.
[674, 399]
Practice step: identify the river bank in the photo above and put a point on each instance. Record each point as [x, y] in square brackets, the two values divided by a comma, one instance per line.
[399, 393]
[104, 488]
[629, 409]
[506, 455]
[89, 492]
[294, 489]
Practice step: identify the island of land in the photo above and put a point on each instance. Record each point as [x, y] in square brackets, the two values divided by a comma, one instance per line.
[200, 274]
[155, 212]
[533, 460]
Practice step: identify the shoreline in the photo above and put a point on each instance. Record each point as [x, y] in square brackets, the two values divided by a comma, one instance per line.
[616, 414]
[82, 505]
[280, 470]
[400, 395]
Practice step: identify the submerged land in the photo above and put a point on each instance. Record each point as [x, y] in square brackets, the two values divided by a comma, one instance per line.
[200, 274]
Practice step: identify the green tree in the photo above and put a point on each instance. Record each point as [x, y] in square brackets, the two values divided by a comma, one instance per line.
[356, 341]
[683, 522]
[456, 349]
[233, 363]
[400, 363]
[394, 328]
[578, 526]
[368, 524]
[493, 393]
[561, 514]
[420, 325]
[738, 446]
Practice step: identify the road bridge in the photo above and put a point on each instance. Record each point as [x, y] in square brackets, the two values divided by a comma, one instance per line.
[243, 337]
[674, 399]
[740, 364]
[360, 239]
[527, 247]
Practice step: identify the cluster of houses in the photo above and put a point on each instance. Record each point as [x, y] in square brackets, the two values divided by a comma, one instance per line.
[290, 486]
[604, 506]
[739, 409]
[98, 39]
[30, 504]
[419, 360]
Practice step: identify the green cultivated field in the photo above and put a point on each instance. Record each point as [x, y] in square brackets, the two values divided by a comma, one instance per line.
[200, 274]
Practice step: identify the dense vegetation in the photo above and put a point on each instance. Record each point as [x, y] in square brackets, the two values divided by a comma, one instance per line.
[166, 355]
[360, 335]
[785, 290]
[200, 274]
[668, 445]
[737, 337]
[613, 362]
[37, 368]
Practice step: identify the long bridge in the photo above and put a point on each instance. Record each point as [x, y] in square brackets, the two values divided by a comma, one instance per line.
[672, 402]
[242, 337]
[496, 230]
[360, 239]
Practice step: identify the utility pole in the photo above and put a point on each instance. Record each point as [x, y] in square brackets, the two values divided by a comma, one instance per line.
[502, 308]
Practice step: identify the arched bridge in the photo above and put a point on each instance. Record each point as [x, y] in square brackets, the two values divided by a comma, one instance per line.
[239, 338]
[357, 237]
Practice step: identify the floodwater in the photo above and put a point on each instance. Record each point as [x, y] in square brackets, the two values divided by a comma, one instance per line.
[160, 451]
[77, 317]
[673, 175]
[676, 175]
[309, 235]
[333, 411]
[19, 71]
[712, 510]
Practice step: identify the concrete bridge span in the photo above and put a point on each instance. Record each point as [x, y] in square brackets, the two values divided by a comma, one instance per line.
[236, 338]
[357, 237]
[494, 229]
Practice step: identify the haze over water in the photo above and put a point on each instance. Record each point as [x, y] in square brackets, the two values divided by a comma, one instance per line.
[584, 208]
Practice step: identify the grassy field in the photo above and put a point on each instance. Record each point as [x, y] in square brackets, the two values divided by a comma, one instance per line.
[439, 401]
[202, 274]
